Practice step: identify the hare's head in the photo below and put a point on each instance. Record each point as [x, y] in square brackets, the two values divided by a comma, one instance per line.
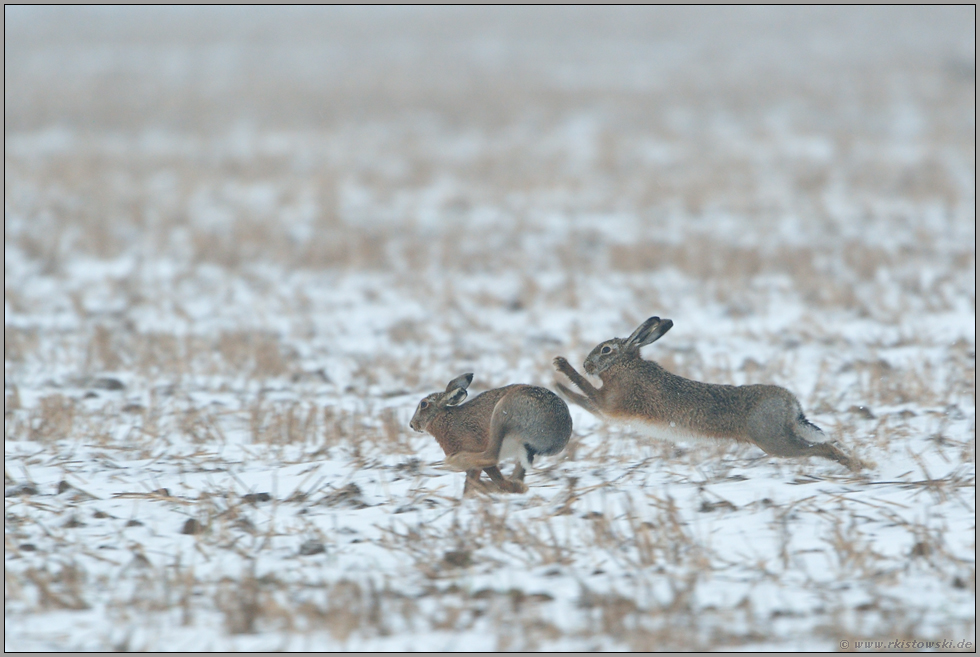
[432, 405]
[608, 353]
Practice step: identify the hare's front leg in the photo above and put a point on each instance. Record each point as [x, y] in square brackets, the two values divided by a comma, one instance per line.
[507, 485]
[475, 485]
[566, 368]
[466, 460]
[590, 401]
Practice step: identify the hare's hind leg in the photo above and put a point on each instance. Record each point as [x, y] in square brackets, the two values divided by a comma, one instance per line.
[809, 433]
[790, 443]
[777, 425]
[832, 452]
[500, 427]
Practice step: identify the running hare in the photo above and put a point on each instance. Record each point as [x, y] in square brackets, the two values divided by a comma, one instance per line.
[642, 393]
[519, 421]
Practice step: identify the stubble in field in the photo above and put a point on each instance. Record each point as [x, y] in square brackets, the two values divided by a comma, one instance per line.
[233, 266]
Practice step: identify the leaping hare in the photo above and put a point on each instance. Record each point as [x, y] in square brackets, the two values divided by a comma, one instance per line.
[519, 421]
[642, 393]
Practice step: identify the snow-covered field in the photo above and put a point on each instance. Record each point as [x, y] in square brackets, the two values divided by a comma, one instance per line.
[239, 247]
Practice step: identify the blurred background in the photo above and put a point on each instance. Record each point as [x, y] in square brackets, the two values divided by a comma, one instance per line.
[312, 136]
[623, 161]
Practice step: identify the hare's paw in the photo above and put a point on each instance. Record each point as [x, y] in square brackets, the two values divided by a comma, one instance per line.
[463, 461]
[511, 486]
[561, 364]
[854, 464]
[479, 487]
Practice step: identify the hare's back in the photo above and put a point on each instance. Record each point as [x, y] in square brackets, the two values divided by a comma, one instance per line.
[538, 401]
[479, 410]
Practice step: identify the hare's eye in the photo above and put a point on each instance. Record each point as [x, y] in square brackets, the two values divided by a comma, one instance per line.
[423, 405]
[607, 349]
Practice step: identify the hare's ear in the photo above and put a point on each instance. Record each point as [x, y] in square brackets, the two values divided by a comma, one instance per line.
[462, 382]
[649, 331]
[455, 397]
[456, 390]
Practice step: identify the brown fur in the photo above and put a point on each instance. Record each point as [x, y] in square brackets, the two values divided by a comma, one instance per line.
[640, 391]
[473, 434]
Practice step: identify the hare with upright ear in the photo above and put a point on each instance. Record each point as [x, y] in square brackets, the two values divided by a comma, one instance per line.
[645, 395]
[517, 421]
